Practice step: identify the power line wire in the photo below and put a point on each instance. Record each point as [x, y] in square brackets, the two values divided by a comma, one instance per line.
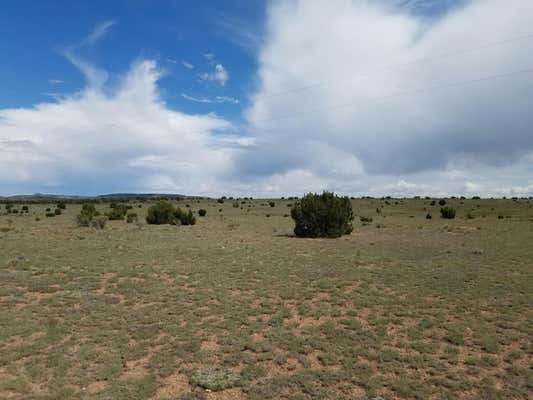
[390, 67]
[407, 92]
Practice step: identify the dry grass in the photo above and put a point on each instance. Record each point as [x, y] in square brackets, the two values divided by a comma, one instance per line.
[429, 309]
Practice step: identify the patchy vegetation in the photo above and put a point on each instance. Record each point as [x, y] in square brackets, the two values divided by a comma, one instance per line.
[236, 307]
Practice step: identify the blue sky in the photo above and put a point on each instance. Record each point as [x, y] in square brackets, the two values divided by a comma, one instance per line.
[266, 98]
[35, 35]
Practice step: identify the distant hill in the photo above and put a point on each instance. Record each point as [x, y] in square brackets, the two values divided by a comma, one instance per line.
[106, 197]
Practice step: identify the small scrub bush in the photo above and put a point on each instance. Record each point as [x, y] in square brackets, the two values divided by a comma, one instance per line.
[131, 217]
[220, 201]
[236, 204]
[442, 202]
[61, 206]
[447, 212]
[428, 216]
[214, 379]
[272, 204]
[184, 218]
[365, 220]
[57, 211]
[25, 208]
[322, 215]
[99, 222]
[86, 215]
[118, 211]
[202, 212]
[50, 215]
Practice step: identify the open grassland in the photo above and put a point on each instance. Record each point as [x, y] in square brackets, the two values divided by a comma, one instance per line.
[235, 308]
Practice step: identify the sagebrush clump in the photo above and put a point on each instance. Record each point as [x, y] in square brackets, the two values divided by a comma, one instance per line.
[322, 215]
[202, 212]
[131, 217]
[164, 212]
[447, 212]
[86, 215]
[118, 211]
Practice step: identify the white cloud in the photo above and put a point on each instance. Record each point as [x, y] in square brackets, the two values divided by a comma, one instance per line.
[99, 32]
[227, 99]
[394, 94]
[196, 99]
[217, 99]
[122, 139]
[220, 75]
[55, 81]
[187, 65]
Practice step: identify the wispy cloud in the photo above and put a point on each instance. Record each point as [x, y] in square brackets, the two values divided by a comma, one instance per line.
[96, 77]
[227, 99]
[55, 81]
[99, 31]
[220, 75]
[239, 31]
[187, 65]
[206, 100]
[196, 99]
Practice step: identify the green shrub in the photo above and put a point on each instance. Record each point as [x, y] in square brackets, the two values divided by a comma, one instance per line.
[442, 202]
[272, 203]
[50, 214]
[235, 204]
[428, 216]
[25, 208]
[365, 220]
[86, 215]
[433, 203]
[131, 217]
[202, 212]
[99, 222]
[322, 215]
[162, 212]
[57, 211]
[220, 201]
[61, 206]
[184, 218]
[447, 212]
[118, 211]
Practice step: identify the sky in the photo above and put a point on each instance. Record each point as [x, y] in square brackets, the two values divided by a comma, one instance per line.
[267, 98]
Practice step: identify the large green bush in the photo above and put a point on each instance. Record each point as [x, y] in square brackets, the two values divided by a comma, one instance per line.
[162, 212]
[322, 215]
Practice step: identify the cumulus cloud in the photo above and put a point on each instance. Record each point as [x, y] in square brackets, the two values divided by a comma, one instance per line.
[360, 97]
[121, 139]
[361, 92]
